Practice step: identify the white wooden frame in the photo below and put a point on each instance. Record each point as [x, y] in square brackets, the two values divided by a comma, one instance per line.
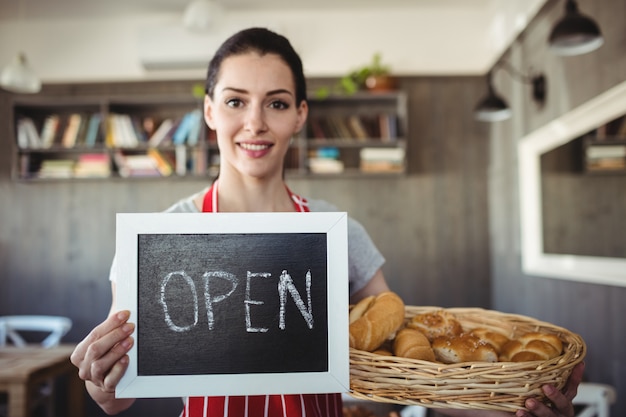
[334, 224]
[600, 270]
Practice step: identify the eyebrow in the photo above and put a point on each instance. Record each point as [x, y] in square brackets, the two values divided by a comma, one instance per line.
[269, 93]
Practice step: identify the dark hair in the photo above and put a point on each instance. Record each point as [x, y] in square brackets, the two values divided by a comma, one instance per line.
[262, 41]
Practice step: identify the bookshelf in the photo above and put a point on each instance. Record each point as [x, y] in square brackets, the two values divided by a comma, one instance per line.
[143, 135]
[604, 149]
[359, 134]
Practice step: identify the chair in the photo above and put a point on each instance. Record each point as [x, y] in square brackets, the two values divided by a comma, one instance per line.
[595, 399]
[55, 326]
[14, 328]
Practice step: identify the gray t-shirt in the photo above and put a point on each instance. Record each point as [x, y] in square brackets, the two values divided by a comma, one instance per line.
[364, 258]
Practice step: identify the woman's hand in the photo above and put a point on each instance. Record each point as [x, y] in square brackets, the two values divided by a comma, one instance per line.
[102, 359]
[561, 400]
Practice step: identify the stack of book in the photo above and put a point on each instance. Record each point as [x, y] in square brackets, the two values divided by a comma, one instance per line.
[606, 158]
[325, 161]
[93, 165]
[56, 168]
[383, 160]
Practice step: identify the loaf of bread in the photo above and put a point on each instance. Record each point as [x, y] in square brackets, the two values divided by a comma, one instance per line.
[533, 346]
[495, 339]
[374, 320]
[463, 348]
[435, 324]
[411, 343]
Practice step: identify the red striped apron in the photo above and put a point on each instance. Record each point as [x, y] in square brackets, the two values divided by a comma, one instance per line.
[291, 405]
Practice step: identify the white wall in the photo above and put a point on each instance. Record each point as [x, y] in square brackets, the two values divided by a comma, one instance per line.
[413, 41]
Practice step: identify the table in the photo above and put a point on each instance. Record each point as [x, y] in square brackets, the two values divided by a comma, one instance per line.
[23, 369]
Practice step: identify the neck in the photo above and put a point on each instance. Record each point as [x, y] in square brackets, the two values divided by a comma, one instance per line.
[236, 194]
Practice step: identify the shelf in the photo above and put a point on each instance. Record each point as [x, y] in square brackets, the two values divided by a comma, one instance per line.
[606, 154]
[122, 130]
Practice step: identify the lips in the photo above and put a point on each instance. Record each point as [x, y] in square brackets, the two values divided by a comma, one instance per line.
[255, 147]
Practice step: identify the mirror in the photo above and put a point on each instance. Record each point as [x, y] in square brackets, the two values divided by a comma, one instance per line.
[572, 125]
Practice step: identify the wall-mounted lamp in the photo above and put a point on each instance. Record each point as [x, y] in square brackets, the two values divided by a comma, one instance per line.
[200, 15]
[18, 77]
[575, 34]
[493, 108]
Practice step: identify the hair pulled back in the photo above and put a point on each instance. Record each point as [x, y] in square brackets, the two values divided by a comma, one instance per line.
[262, 41]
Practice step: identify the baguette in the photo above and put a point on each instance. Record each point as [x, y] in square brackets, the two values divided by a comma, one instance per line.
[374, 320]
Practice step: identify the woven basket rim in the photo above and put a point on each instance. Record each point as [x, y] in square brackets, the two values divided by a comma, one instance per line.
[470, 385]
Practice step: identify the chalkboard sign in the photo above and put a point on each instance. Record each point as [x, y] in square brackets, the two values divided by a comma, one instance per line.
[234, 303]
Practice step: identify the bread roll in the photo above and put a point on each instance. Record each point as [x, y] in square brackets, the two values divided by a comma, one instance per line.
[495, 339]
[463, 348]
[411, 343]
[381, 317]
[435, 324]
[534, 346]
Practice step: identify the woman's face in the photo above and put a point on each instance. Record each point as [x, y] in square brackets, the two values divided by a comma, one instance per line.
[254, 114]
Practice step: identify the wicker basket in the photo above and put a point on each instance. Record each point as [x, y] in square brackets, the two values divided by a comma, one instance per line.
[470, 385]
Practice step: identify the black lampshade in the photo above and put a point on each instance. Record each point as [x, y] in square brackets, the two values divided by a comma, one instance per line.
[492, 108]
[575, 34]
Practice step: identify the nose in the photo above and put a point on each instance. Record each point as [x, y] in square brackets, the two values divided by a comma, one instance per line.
[255, 119]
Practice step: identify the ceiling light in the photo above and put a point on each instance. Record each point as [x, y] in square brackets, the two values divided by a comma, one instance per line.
[575, 34]
[200, 15]
[18, 77]
[493, 108]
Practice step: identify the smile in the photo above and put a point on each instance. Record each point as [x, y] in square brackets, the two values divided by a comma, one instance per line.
[254, 146]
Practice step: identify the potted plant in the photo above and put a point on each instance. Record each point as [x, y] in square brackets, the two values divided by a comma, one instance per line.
[374, 76]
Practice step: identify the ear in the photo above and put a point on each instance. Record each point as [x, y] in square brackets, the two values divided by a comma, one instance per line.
[303, 112]
[208, 112]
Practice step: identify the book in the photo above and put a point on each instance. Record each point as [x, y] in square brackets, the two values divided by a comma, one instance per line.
[49, 130]
[140, 165]
[93, 130]
[71, 130]
[196, 128]
[184, 128]
[357, 128]
[27, 135]
[161, 133]
[181, 160]
[382, 159]
[93, 165]
[162, 164]
[56, 168]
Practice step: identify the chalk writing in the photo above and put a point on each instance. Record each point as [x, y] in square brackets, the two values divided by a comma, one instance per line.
[248, 302]
[285, 287]
[163, 302]
[286, 284]
[209, 299]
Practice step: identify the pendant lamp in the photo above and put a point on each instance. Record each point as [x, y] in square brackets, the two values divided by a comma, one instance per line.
[492, 108]
[575, 34]
[18, 77]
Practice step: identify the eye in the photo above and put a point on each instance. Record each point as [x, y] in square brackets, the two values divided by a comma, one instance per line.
[279, 105]
[234, 102]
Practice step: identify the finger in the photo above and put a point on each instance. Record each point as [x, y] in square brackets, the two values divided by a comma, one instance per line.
[571, 387]
[104, 352]
[117, 372]
[100, 368]
[113, 321]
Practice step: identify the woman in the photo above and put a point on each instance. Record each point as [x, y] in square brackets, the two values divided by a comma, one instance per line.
[256, 101]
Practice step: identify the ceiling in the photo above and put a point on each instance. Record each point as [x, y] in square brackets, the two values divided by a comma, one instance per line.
[64, 9]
